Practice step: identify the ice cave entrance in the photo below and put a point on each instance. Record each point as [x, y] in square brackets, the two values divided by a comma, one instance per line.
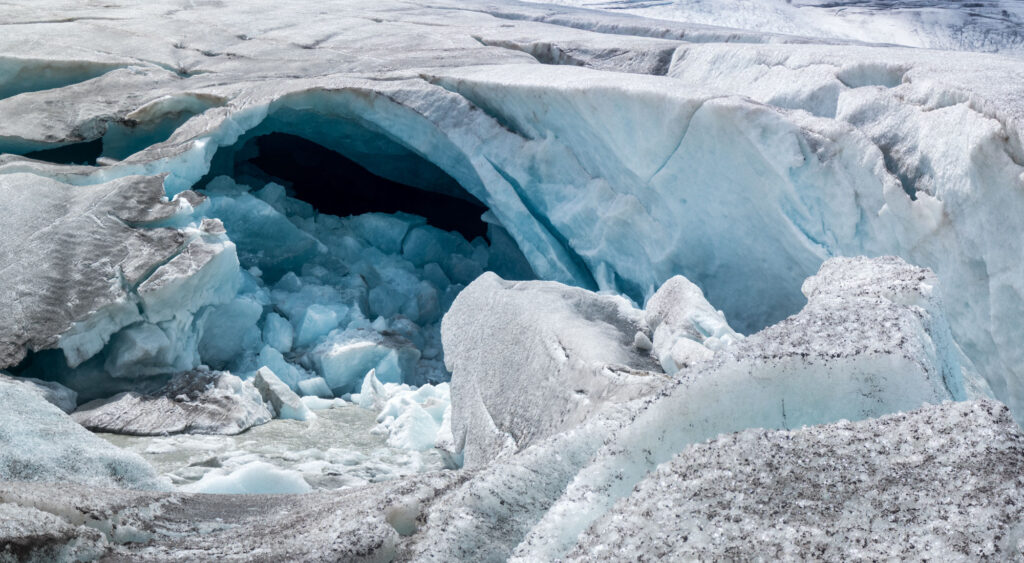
[348, 256]
[346, 269]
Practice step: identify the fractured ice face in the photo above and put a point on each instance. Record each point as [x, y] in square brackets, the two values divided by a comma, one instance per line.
[871, 340]
[267, 282]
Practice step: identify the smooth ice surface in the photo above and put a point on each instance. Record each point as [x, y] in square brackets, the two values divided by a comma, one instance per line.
[254, 478]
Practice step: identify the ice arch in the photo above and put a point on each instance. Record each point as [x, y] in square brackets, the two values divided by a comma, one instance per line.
[388, 133]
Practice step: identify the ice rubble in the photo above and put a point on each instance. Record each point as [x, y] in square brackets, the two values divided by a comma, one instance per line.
[316, 299]
[415, 419]
[343, 448]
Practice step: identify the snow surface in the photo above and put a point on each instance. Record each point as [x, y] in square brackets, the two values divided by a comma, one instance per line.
[993, 26]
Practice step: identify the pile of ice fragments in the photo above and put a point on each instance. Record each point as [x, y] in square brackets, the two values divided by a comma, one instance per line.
[742, 295]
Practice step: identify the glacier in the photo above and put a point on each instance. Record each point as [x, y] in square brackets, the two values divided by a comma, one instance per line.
[502, 280]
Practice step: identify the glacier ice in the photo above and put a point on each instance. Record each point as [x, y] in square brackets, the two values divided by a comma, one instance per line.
[415, 419]
[56, 394]
[256, 478]
[315, 387]
[687, 509]
[39, 442]
[333, 307]
[870, 341]
[610, 152]
[544, 357]
[686, 328]
[284, 401]
[195, 402]
[991, 27]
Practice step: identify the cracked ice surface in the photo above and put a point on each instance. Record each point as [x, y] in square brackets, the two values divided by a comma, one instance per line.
[584, 167]
[616, 152]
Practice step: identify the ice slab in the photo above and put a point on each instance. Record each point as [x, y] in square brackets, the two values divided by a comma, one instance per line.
[685, 509]
[198, 402]
[285, 402]
[56, 394]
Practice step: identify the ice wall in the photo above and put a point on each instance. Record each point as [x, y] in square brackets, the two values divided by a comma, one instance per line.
[754, 158]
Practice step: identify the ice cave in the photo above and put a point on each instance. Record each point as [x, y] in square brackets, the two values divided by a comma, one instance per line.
[512, 281]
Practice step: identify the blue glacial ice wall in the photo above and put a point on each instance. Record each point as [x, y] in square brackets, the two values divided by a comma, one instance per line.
[619, 185]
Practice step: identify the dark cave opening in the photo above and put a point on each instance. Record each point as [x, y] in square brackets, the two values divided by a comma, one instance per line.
[337, 185]
[79, 153]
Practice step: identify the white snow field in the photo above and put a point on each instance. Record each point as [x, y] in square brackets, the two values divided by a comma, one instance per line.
[489, 280]
[990, 26]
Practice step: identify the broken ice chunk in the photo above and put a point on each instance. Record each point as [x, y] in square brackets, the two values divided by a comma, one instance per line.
[686, 327]
[285, 402]
[384, 231]
[316, 387]
[198, 402]
[317, 321]
[278, 332]
[254, 478]
[344, 357]
[229, 330]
